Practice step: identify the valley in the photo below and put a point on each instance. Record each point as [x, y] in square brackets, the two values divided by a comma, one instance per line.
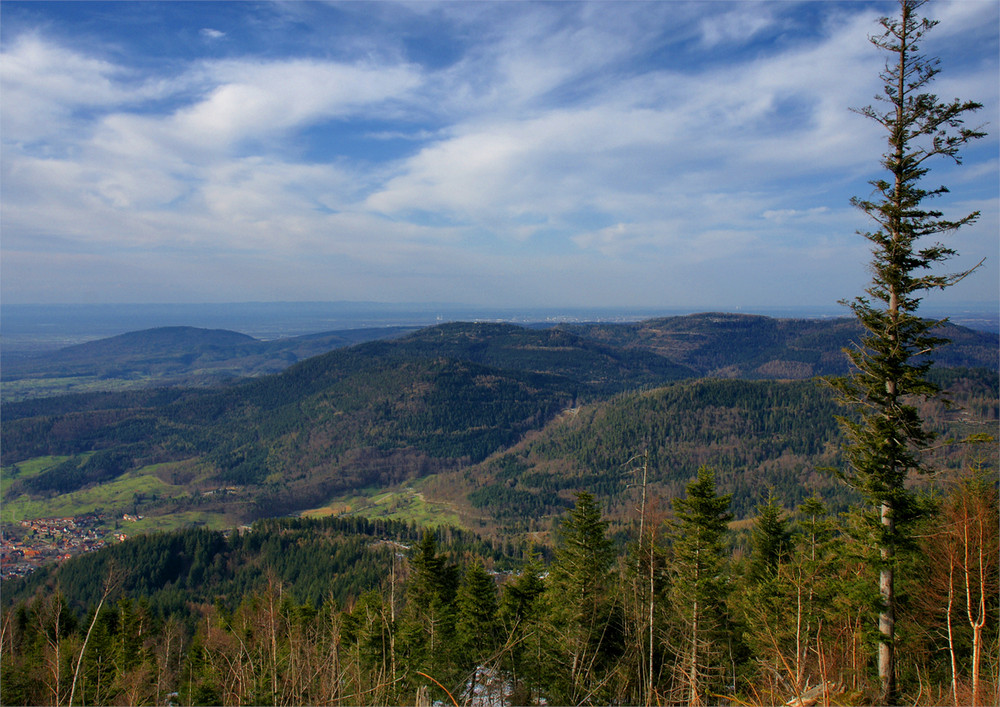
[299, 508]
[497, 425]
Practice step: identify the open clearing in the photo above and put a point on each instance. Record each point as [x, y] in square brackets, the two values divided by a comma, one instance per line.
[404, 503]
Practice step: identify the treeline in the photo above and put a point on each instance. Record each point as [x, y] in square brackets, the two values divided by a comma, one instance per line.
[753, 346]
[317, 559]
[690, 612]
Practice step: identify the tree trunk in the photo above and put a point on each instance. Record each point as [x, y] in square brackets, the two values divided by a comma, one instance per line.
[977, 575]
[951, 634]
[887, 613]
[693, 699]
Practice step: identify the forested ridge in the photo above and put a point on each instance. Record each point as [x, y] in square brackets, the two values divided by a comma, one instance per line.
[176, 355]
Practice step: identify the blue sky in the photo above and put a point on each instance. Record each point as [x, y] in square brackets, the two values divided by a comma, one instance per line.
[674, 154]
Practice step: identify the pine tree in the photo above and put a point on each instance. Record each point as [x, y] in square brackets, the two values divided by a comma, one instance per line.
[771, 540]
[520, 617]
[580, 608]
[885, 434]
[477, 626]
[428, 624]
[698, 588]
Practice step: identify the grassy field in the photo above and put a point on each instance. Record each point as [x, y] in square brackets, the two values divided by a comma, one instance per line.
[116, 496]
[126, 494]
[113, 499]
[176, 521]
[405, 503]
[25, 470]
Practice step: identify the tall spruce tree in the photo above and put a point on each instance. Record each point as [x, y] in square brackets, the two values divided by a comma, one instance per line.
[428, 622]
[521, 611]
[771, 540]
[478, 623]
[582, 621]
[699, 582]
[885, 434]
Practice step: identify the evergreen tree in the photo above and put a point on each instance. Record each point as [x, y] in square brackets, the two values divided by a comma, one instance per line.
[771, 540]
[477, 627]
[520, 619]
[885, 434]
[367, 641]
[428, 624]
[584, 629]
[699, 583]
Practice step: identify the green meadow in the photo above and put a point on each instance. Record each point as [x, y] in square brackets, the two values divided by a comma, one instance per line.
[114, 498]
[405, 504]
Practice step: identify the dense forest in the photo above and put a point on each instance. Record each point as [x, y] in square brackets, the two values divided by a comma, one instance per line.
[680, 606]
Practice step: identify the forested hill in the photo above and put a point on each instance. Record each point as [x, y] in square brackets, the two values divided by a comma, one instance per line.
[759, 436]
[720, 345]
[753, 346]
[376, 413]
[440, 401]
[319, 559]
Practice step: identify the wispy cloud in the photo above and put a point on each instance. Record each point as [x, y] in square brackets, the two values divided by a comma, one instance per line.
[616, 152]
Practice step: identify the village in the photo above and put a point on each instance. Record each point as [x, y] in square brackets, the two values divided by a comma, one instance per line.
[40, 541]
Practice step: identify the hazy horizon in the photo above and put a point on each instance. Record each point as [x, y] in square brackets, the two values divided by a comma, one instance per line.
[26, 328]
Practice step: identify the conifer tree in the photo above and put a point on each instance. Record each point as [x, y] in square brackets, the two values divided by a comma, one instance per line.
[579, 602]
[698, 589]
[520, 615]
[428, 624]
[885, 433]
[771, 540]
[477, 625]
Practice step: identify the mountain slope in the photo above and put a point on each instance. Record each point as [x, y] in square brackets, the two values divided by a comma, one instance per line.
[443, 400]
[758, 347]
[757, 435]
[375, 413]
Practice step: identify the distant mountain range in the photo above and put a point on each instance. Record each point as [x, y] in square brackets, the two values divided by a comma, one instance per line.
[722, 345]
[499, 422]
[168, 356]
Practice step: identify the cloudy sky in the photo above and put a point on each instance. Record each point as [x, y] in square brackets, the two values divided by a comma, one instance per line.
[674, 154]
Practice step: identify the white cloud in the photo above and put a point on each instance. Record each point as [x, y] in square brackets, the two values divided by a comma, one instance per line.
[652, 143]
[43, 84]
[550, 149]
[255, 100]
[736, 26]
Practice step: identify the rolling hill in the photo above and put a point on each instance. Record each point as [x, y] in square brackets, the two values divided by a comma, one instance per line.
[168, 356]
[495, 421]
